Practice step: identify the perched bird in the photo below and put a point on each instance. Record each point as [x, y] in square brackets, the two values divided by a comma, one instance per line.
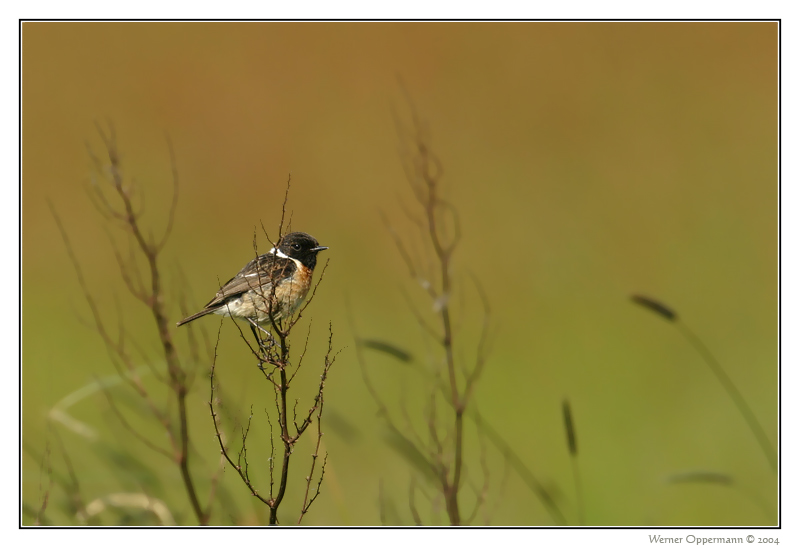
[272, 284]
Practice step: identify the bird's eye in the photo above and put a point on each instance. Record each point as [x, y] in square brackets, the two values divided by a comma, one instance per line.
[296, 246]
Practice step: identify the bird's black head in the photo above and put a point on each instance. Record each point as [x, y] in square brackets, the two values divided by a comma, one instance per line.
[300, 246]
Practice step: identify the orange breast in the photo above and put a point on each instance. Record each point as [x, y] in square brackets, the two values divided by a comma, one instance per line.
[291, 293]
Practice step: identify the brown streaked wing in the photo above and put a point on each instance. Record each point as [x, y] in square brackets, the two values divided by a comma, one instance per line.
[270, 267]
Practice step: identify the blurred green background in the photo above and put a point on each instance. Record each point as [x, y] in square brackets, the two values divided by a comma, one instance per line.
[588, 161]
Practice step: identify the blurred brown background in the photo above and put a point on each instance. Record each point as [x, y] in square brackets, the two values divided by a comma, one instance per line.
[588, 161]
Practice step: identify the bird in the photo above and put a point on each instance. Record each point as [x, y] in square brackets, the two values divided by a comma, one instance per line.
[271, 285]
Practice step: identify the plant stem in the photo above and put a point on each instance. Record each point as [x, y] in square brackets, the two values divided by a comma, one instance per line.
[733, 392]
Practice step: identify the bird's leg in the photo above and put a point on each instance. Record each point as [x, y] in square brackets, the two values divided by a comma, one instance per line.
[255, 333]
[255, 328]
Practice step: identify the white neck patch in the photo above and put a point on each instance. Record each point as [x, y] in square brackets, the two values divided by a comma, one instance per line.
[279, 253]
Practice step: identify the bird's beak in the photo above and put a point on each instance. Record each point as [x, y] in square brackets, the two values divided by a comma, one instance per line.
[319, 248]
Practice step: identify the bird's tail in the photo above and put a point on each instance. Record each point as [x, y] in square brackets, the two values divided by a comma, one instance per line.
[198, 315]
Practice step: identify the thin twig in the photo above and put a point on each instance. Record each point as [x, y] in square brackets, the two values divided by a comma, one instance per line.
[218, 432]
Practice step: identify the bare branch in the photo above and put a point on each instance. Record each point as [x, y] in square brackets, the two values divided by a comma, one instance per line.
[319, 404]
[480, 353]
[218, 432]
[144, 439]
[174, 205]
